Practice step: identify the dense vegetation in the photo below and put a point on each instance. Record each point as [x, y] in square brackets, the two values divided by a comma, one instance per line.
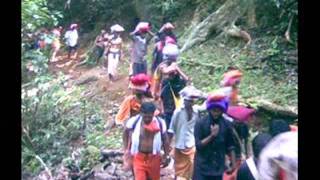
[57, 115]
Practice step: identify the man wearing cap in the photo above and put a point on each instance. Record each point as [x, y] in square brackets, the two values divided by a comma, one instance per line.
[213, 139]
[182, 128]
[71, 37]
[144, 137]
[139, 48]
[113, 53]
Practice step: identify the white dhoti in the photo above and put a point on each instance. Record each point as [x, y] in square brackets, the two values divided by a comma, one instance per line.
[113, 60]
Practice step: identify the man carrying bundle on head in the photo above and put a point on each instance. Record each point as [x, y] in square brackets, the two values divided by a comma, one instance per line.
[241, 116]
[230, 84]
[164, 36]
[213, 139]
[139, 48]
[113, 53]
[168, 80]
[71, 37]
[140, 86]
[182, 128]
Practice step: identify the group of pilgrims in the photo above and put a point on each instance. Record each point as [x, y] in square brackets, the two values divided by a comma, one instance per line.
[207, 135]
[165, 119]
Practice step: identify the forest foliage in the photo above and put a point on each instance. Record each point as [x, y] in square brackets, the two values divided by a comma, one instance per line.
[56, 114]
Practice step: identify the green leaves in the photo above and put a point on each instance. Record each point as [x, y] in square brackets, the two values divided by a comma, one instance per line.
[35, 15]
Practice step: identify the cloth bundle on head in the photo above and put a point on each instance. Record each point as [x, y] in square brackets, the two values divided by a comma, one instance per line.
[139, 82]
[73, 26]
[190, 93]
[231, 77]
[116, 28]
[217, 100]
[170, 52]
[240, 113]
[143, 27]
[168, 26]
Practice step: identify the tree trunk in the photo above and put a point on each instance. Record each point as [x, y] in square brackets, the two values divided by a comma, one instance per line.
[251, 15]
[222, 20]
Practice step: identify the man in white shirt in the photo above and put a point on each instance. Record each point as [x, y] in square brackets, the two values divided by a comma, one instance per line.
[182, 127]
[71, 37]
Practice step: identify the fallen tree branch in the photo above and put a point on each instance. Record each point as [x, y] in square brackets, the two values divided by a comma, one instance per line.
[266, 105]
[287, 34]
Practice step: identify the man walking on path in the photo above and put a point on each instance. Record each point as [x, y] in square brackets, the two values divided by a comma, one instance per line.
[139, 48]
[213, 139]
[168, 81]
[71, 37]
[143, 138]
[99, 46]
[182, 128]
[114, 50]
[139, 84]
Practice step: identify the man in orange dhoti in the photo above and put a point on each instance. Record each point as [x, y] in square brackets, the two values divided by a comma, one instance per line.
[182, 127]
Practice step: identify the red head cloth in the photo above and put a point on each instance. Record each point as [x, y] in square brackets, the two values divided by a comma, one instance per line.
[240, 113]
[231, 77]
[230, 81]
[233, 74]
[139, 82]
[293, 128]
[140, 79]
[216, 96]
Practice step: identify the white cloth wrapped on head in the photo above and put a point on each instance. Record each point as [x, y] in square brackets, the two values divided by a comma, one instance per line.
[170, 51]
[190, 93]
[116, 28]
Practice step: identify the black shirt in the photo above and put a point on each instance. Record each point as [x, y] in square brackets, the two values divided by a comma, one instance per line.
[243, 132]
[244, 172]
[210, 159]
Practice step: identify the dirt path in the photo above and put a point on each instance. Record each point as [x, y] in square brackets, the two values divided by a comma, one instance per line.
[104, 92]
[107, 94]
